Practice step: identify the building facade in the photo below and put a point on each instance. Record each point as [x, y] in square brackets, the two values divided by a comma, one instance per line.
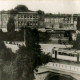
[21, 19]
[32, 20]
[61, 22]
[28, 19]
[4, 17]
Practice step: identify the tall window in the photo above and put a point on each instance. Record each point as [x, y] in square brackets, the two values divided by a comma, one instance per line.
[24, 16]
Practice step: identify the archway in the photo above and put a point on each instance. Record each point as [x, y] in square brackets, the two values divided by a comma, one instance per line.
[57, 76]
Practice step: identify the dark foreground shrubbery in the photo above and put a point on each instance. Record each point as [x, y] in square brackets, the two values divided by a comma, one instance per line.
[21, 66]
[19, 36]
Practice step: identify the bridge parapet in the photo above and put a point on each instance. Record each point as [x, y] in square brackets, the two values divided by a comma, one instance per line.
[64, 67]
[58, 69]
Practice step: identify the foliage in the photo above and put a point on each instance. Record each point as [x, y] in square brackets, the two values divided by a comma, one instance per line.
[36, 36]
[41, 14]
[68, 34]
[6, 59]
[32, 36]
[76, 44]
[1, 31]
[21, 8]
[44, 37]
[5, 53]
[30, 57]
[10, 25]
[12, 12]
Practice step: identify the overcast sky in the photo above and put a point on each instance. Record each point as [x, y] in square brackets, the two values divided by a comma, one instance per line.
[48, 6]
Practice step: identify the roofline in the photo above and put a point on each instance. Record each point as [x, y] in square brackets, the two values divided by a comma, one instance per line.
[7, 12]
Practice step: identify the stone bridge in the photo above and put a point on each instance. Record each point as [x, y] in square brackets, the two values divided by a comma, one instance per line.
[58, 70]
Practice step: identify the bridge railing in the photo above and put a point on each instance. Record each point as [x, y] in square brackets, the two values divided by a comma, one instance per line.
[64, 67]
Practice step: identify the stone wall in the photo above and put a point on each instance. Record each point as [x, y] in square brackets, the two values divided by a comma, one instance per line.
[41, 76]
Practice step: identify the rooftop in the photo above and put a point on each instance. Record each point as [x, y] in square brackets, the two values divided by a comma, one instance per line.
[29, 12]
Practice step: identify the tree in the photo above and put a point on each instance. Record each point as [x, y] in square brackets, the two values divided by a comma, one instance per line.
[5, 53]
[21, 8]
[68, 34]
[78, 23]
[76, 44]
[12, 12]
[6, 59]
[44, 37]
[11, 25]
[30, 57]
[41, 14]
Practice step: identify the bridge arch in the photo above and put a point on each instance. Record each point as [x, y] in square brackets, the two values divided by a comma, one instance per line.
[58, 76]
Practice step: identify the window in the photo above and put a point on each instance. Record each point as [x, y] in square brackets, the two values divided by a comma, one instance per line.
[18, 16]
[27, 16]
[18, 22]
[24, 23]
[24, 16]
[30, 16]
[36, 16]
[27, 23]
[33, 16]
[34, 23]
[21, 16]
[30, 23]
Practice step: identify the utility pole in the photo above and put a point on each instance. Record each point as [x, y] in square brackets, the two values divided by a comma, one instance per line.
[24, 36]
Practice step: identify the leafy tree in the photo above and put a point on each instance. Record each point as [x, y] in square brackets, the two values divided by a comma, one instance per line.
[68, 34]
[5, 53]
[21, 8]
[6, 58]
[1, 31]
[41, 14]
[76, 44]
[30, 57]
[10, 25]
[12, 12]
[36, 36]
[44, 37]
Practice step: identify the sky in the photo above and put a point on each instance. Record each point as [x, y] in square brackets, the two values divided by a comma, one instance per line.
[48, 6]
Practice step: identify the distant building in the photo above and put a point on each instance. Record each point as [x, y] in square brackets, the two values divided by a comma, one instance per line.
[29, 19]
[22, 19]
[61, 22]
[4, 17]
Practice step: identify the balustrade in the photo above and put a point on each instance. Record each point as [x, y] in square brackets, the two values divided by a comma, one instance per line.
[64, 67]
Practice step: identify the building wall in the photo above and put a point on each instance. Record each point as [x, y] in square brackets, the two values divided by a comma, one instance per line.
[26, 19]
[4, 17]
[32, 20]
[63, 22]
[22, 19]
